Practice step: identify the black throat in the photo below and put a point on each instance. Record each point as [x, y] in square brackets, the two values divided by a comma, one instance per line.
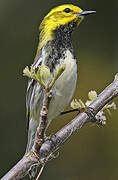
[59, 45]
[56, 49]
[63, 36]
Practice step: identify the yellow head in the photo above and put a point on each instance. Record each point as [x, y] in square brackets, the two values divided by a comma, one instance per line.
[60, 16]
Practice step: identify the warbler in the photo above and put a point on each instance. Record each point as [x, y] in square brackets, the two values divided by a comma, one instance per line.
[54, 49]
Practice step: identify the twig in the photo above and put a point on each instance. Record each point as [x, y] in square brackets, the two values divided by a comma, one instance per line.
[39, 139]
[49, 147]
[40, 172]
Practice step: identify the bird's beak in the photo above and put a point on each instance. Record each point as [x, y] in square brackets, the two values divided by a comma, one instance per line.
[85, 13]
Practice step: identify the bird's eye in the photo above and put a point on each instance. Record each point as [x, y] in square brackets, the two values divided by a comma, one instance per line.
[67, 10]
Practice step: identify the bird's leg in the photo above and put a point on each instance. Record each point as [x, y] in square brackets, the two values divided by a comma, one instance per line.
[69, 111]
[88, 110]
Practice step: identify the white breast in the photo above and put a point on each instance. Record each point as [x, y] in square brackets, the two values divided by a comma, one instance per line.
[64, 86]
[63, 90]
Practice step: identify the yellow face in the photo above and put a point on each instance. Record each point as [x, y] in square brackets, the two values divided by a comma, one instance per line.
[59, 16]
[62, 15]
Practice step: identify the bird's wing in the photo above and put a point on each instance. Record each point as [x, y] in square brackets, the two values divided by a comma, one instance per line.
[29, 92]
[30, 88]
[32, 84]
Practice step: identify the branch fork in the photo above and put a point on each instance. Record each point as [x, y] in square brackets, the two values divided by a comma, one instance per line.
[48, 147]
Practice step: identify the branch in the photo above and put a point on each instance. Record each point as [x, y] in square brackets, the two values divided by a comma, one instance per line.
[50, 146]
[39, 137]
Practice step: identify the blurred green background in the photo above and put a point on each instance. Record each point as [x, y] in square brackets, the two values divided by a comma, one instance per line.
[92, 153]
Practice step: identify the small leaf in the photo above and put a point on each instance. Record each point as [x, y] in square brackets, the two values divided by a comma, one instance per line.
[26, 72]
[77, 104]
[92, 95]
[88, 102]
[43, 74]
[108, 111]
[81, 103]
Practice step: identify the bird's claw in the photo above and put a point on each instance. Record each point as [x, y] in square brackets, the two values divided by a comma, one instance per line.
[89, 111]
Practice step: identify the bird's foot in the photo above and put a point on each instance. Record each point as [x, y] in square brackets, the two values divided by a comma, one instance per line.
[88, 110]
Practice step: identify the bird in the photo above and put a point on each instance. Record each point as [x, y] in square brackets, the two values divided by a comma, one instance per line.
[54, 49]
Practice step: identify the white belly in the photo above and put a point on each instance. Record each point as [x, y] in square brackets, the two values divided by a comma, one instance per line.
[62, 92]
[64, 87]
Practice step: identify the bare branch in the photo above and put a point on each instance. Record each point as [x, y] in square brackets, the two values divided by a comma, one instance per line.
[50, 146]
[39, 139]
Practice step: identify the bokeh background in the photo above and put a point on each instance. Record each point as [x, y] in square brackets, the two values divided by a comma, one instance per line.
[92, 153]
